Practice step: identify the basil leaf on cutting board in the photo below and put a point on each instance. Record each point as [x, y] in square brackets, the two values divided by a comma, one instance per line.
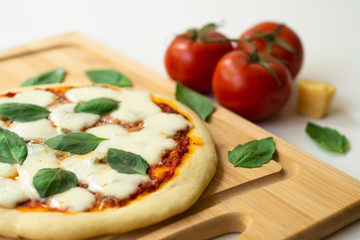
[126, 162]
[197, 102]
[97, 106]
[78, 142]
[50, 181]
[110, 77]
[252, 154]
[328, 138]
[51, 77]
[12, 147]
[23, 112]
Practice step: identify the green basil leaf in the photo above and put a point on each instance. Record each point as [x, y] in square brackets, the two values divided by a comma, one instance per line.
[97, 106]
[12, 147]
[78, 142]
[109, 77]
[23, 112]
[328, 138]
[252, 154]
[50, 181]
[197, 102]
[126, 162]
[55, 76]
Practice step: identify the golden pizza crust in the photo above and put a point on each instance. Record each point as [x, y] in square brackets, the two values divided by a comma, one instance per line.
[174, 197]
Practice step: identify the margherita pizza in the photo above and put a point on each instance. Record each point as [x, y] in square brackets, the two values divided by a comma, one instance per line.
[83, 161]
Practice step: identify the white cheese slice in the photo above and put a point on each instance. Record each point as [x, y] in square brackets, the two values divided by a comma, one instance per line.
[6, 100]
[148, 144]
[10, 193]
[135, 111]
[112, 183]
[67, 120]
[7, 170]
[37, 97]
[132, 95]
[74, 200]
[2, 124]
[165, 123]
[107, 131]
[84, 165]
[39, 157]
[40, 129]
[88, 93]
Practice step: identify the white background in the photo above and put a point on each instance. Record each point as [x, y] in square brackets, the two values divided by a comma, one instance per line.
[142, 30]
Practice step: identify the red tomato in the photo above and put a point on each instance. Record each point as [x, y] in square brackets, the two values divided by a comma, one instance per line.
[192, 61]
[284, 44]
[246, 87]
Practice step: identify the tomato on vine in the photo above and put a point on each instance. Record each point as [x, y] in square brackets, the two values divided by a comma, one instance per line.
[192, 56]
[277, 40]
[252, 85]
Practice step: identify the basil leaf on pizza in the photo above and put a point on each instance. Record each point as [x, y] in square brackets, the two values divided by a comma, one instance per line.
[252, 154]
[109, 77]
[78, 142]
[126, 162]
[23, 112]
[197, 102]
[12, 147]
[100, 106]
[51, 77]
[50, 181]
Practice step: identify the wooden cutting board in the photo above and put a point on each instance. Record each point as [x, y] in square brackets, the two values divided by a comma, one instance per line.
[294, 196]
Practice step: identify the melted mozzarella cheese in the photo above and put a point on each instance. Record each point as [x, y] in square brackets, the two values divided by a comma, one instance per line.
[168, 124]
[107, 131]
[135, 106]
[88, 93]
[2, 124]
[67, 120]
[10, 193]
[135, 111]
[132, 95]
[37, 97]
[148, 144]
[111, 183]
[84, 165]
[40, 129]
[7, 170]
[73, 200]
[39, 157]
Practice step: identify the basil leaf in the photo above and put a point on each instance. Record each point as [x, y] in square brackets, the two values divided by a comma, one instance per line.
[50, 181]
[109, 77]
[252, 154]
[55, 76]
[75, 142]
[126, 162]
[97, 106]
[197, 102]
[23, 112]
[327, 138]
[12, 147]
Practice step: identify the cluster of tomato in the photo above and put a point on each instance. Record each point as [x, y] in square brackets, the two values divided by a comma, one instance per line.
[251, 76]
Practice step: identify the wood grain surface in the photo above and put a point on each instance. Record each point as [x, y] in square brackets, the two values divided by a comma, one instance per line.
[294, 196]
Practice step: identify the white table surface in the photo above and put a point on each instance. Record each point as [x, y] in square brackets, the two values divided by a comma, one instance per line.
[142, 30]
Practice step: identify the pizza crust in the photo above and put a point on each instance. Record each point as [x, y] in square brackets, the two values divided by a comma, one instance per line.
[172, 198]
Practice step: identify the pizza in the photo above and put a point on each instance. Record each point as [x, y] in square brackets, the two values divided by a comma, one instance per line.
[83, 161]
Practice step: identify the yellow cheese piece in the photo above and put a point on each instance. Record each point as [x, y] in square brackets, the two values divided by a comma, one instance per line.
[314, 97]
